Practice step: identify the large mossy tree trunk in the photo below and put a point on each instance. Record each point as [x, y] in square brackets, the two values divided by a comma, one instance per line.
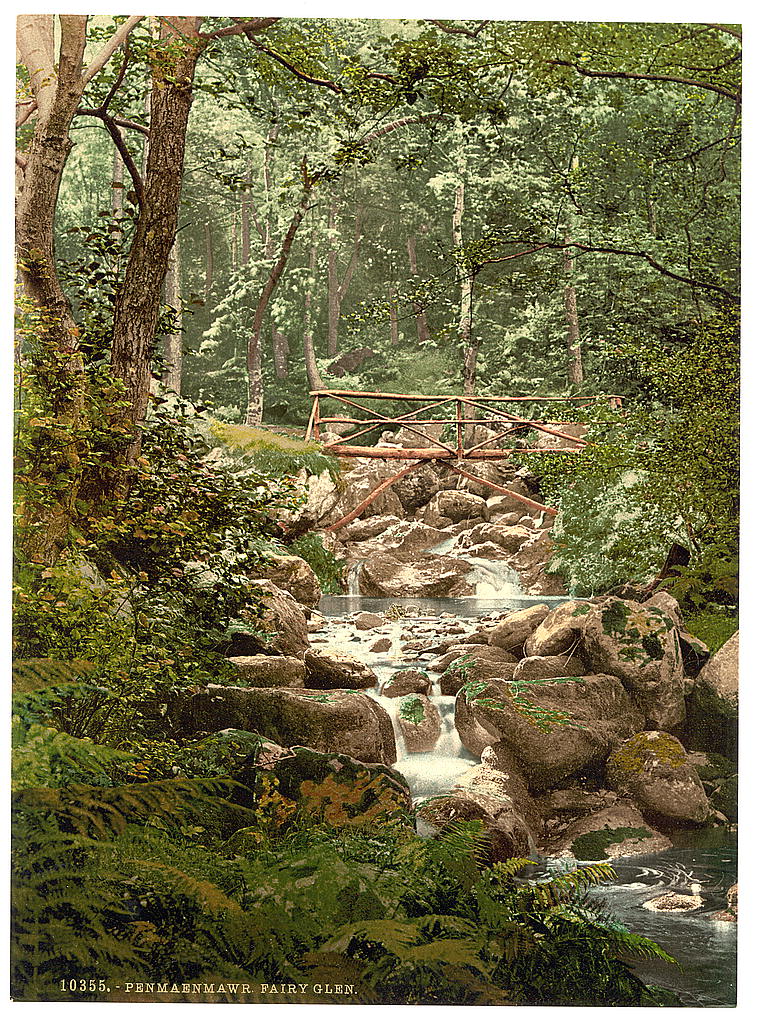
[58, 91]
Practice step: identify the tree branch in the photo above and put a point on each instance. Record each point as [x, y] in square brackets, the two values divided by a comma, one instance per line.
[642, 76]
[244, 25]
[455, 31]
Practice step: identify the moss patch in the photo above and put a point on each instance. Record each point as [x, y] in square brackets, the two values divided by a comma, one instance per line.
[412, 710]
[643, 749]
[593, 845]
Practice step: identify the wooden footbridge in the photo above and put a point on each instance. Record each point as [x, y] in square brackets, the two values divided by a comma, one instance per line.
[450, 429]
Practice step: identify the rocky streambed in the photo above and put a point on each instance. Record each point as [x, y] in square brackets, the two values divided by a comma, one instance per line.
[456, 679]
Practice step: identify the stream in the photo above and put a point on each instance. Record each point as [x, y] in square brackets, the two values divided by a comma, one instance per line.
[704, 948]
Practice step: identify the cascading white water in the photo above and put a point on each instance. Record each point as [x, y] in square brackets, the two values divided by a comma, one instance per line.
[493, 579]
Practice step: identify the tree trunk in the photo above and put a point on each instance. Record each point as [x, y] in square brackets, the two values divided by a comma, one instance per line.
[209, 262]
[137, 303]
[254, 350]
[469, 346]
[421, 321]
[314, 380]
[58, 93]
[280, 353]
[394, 325]
[246, 222]
[173, 343]
[573, 345]
[337, 289]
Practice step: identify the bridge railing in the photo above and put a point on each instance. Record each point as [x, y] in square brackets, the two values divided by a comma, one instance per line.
[453, 432]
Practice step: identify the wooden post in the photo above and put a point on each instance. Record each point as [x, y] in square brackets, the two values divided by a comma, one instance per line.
[459, 427]
[316, 424]
[311, 420]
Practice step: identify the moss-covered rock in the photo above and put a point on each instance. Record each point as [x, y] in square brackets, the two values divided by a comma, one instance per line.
[713, 704]
[639, 644]
[555, 727]
[419, 722]
[407, 680]
[653, 770]
[616, 831]
[560, 630]
[332, 721]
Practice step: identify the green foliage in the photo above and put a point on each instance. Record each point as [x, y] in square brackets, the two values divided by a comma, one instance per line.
[714, 627]
[328, 569]
[666, 471]
[273, 454]
[411, 709]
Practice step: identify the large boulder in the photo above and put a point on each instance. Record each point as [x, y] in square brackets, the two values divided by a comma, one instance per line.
[492, 471]
[269, 670]
[412, 537]
[512, 631]
[281, 619]
[333, 721]
[407, 680]
[507, 539]
[531, 563]
[560, 631]
[419, 722]
[474, 736]
[652, 770]
[293, 575]
[358, 482]
[616, 831]
[454, 506]
[552, 666]
[713, 705]
[557, 727]
[321, 497]
[339, 789]
[505, 830]
[640, 645]
[329, 669]
[364, 529]
[416, 489]
[476, 665]
[384, 575]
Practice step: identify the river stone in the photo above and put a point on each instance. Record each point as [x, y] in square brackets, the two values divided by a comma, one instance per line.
[357, 484]
[416, 489]
[560, 630]
[507, 504]
[419, 722]
[713, 705]
[364, 529]
[367, 620]
[617, 831]
[381, 646]
[653, 771]
[553, 666]
[477, 664]
[505, 831]
[502, 518]
[270, 670]
[409, 538]
[454, 506]
[506, 538]
[293, 575]
[512, 631]
[639, 644]
[384, 575]
[281, 618]
[339, 789]
[498, 775]
[494, 655]
[333, 721]
[492, 471]
[408, 680]
[473, 734]
[329, 669]
[597, 708]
